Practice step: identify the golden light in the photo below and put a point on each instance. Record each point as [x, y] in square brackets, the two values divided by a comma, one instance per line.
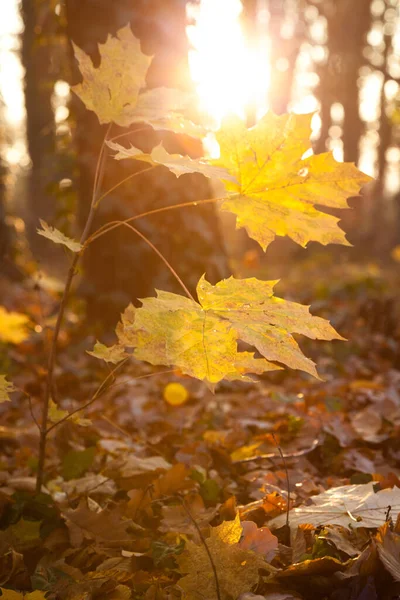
[231, 75]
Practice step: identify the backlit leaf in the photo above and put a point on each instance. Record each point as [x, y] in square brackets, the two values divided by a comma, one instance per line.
[176, 163]
[13, 326]
[277, 190]
[113, 354]
[56, 236]
[164, 108]
[112, 90]
[6, 387]
[201, 338]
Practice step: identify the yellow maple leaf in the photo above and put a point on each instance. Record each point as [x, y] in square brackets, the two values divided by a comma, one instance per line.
[200, 338]
[114, 90]
[13, 326]
[237, 570]
[277, 189]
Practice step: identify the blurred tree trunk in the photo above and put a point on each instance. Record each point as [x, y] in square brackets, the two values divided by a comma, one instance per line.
[38, 58]
[119, 267]
[347, 24]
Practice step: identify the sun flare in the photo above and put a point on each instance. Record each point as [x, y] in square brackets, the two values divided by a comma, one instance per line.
[230, 73]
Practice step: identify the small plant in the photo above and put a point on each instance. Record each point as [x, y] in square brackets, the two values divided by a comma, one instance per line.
[269, 186]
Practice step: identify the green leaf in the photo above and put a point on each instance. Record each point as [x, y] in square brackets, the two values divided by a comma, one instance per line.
[13, 326]
[6, 388]
[201, 338]
[56, 236]
[277, 189]
[176, 163]
[113, 354]
[77, 462]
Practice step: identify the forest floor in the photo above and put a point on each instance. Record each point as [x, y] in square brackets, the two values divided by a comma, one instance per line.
[142, 497]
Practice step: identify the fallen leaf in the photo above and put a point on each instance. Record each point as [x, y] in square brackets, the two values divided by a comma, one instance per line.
[348, 505]
[237, 569]
[259, 540]
[388, 545]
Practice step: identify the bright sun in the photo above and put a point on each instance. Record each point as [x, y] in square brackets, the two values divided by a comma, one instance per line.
[230, 75]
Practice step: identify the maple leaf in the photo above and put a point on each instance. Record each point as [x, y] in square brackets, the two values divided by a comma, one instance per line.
[176, 163]
[6, 387]
[13, 326]
[106, 527]
[277, 189]
[113, 354]
[237, 569]
[56, 236]
[164, 108]
[114, 90]
[355, 505]
[201, 338]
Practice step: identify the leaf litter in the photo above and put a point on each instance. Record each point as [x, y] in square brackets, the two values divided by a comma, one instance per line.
[133, 498]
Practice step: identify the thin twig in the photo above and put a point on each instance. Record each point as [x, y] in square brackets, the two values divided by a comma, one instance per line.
[168, 265]
[60, 316]
[207, 549]
[117, 185]
[287, 478]
[113, 224]
[101, 389]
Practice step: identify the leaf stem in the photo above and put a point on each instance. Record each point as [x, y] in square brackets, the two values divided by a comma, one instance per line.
[165, 261]
[114, 224]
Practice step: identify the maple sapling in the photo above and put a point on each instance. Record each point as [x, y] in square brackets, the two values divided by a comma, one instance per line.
[270, 188]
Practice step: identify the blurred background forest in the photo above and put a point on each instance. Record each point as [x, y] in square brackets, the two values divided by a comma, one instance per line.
[340, 58]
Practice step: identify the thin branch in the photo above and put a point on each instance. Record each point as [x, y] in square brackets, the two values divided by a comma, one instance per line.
[101, 389]
[207, 549]
[168, 265]
[114, 224]
[117, 185]
[95, 396]
[60, 316]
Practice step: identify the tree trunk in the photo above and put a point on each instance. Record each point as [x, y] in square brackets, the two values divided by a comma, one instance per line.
[119, 267]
